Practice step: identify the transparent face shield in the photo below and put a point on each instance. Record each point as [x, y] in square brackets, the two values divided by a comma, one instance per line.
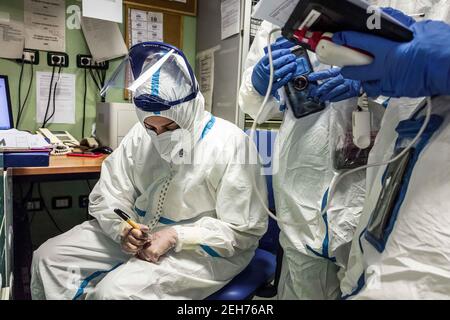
[157, 75]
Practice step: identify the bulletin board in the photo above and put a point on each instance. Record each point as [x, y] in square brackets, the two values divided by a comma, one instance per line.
[189, 7]
[172, 29]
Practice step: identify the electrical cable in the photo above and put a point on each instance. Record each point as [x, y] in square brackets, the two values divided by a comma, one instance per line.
[22, 109]
[44, 206]
[19, 90]
[84, 104]
[44, 123]
[54, 94]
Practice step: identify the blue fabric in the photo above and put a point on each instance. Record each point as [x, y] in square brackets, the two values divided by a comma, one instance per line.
[210, 251]
[419, 68]
[208, 127]
[166, 221]
[155, 83]
[406, 130]
[285, 66]
[325, 242]
[139, 212]
[260, 271]
[86, 281]
[335, 89]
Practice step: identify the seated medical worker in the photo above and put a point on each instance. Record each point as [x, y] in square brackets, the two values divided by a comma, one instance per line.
[401, 249]
[180, 175]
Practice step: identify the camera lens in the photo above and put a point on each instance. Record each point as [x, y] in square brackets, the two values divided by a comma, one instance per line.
[300, 83]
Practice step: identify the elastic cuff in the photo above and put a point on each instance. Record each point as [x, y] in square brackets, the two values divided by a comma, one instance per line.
[188, 237]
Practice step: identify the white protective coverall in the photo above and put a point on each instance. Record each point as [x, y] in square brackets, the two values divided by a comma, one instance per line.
[413, 261]
[210, 202]
[304, 152]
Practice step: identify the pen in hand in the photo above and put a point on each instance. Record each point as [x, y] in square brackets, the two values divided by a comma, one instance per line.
[125, 217]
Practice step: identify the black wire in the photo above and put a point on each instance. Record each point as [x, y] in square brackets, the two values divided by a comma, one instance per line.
[84, 104]
[22, 109]
[94, 79]
[54, 94]
[44, 123]
[20, 89]
[44, 206]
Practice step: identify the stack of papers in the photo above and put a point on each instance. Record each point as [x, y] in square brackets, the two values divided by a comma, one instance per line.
[14, 140]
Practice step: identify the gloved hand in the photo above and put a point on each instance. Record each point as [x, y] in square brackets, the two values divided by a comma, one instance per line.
[133, 240]
[337, 88]
[400, 16]
[418, 68]
[284, 68]
[162, 241]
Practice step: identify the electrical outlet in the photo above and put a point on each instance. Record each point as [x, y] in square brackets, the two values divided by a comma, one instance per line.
[83, 201]
[56, 59]
[34, 205]
[86, 61]
[62, 202]
[30, 56]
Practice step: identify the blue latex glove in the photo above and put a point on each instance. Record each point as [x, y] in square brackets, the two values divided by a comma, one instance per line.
[418, 68]
[337, 88]
[399, 16]
[284, 68]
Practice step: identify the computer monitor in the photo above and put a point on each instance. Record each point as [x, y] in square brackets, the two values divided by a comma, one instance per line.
[6, 120]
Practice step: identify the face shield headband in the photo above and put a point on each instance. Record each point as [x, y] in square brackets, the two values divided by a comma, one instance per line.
[153, 65]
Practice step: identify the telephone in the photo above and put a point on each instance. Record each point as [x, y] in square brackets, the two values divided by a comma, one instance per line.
[62, 141]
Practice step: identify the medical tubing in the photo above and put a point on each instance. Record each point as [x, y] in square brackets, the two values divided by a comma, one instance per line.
[253, 130]
[339, 177]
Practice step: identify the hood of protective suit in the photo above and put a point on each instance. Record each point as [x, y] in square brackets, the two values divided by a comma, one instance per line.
[190, 116]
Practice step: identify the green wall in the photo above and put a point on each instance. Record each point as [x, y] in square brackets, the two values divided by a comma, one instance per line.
[75, 44]
[42, 227]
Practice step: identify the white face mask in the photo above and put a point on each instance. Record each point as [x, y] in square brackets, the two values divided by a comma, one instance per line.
[169, 143]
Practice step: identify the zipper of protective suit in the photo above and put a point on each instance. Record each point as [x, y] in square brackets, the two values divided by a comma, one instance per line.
[162, 198]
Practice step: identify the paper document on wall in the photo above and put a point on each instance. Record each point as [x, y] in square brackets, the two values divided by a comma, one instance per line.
[206, 75]
[15, 140]
[64, 97]
[104, 39]
[45, 25]
[231, 15]
[11, 40]
[110, 10]
[276, 12]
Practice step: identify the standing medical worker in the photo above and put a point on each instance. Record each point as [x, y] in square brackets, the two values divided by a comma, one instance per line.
[401, 248]
[180, 175]
[314, 251]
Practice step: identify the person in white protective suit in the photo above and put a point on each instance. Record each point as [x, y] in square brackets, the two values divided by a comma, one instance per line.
[177, 173]
[315, 251]
[403, 252]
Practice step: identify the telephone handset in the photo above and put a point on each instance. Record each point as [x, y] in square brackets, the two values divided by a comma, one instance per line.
[62, 141]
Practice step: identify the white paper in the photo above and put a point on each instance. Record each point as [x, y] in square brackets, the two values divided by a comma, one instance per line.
[155, 26]
[11, 40]
[138, 15]
[104, 39]
[139, 25]
[64, 98]
[276, 12]
[230, 10]
[138, 36]
[45, 25]
[206, 75]
[109, 10]
[15, 140]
